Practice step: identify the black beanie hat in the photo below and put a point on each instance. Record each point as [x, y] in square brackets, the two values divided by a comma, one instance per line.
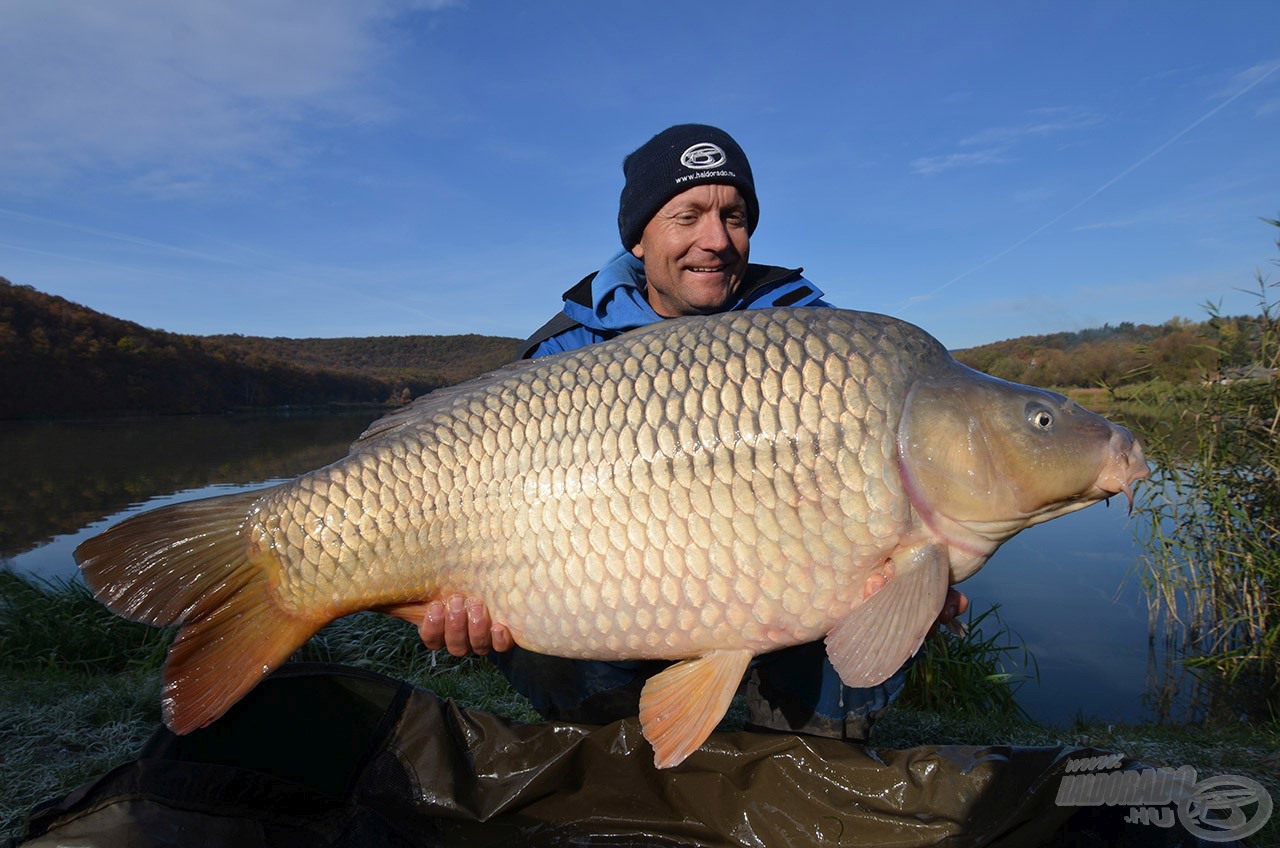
[676, 159]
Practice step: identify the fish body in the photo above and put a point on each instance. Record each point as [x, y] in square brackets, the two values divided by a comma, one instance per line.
[705, 489]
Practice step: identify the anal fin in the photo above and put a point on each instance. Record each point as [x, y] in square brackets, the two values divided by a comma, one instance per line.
[873, 641]
[682, 705]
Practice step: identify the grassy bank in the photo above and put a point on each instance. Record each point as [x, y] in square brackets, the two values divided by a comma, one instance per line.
[82, 695]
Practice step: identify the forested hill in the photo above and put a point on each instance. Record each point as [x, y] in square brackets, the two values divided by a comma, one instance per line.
[448, 359]
[61, 358]
[1177, 351]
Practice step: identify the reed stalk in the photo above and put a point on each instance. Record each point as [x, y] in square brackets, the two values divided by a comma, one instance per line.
[1211, 534]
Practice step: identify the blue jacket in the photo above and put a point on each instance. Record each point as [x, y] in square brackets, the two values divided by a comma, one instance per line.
[612, 301]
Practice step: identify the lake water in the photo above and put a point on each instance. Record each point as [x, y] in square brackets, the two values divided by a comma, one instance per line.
[1066, 587]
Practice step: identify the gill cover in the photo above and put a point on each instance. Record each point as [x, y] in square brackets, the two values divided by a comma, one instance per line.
[982, 451]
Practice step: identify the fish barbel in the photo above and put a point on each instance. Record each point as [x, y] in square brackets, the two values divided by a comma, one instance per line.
[704, 489]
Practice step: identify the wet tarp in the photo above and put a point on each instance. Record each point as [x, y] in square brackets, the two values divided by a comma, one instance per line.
[325, 756]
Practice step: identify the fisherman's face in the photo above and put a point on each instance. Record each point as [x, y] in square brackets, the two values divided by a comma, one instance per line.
[695, 251]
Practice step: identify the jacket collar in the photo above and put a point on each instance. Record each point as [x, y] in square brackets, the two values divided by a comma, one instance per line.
[613, 298]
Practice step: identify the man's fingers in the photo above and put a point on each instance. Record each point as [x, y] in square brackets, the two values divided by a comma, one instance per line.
[502, 639]
[954, 605]
[462, 626]
[952, 608]
[478, 626]
[455, 626]
[432, 628]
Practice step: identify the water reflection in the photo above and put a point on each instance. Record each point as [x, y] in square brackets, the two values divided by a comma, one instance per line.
[1066, 586]
[54, 558]
[57, 477]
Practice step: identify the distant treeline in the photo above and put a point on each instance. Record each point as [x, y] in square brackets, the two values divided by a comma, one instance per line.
[59, 358]
[1175, 352]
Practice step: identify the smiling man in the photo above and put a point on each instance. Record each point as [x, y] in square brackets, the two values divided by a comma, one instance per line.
[685, 217]
[694, 251]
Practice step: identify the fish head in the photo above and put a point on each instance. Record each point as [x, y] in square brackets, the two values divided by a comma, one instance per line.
[983, 458]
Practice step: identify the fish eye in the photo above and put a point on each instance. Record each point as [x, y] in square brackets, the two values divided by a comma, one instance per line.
[1040, 417]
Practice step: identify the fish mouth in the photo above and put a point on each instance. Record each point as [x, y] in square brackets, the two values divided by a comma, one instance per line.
[1125, 466]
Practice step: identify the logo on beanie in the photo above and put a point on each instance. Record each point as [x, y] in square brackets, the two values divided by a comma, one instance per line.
[702, 156]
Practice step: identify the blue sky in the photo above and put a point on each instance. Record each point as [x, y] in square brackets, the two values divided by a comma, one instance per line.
[388, 167]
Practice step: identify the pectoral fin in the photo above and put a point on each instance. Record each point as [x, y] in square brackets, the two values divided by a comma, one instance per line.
[879, 635]
[681, 706]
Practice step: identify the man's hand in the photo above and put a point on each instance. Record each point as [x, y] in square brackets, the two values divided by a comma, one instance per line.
[462, 626]
[952, 608]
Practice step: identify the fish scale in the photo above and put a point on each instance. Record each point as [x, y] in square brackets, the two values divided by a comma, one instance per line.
[687, 453]
[707, 488]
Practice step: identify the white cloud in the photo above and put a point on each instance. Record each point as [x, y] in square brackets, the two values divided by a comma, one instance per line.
[1033, 196]
[930, 165]
[998, 142]
[164, 86]
[1050, 122]
[1242, 81]
[1267, 107]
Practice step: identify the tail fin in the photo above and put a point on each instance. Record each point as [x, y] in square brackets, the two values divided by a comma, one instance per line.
[189, 565]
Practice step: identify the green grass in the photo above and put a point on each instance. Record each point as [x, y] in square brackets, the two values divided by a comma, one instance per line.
[57, 625]
[61, 729]
[971, 673]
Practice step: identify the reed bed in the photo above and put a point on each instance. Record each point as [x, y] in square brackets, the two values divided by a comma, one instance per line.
[1210, 527]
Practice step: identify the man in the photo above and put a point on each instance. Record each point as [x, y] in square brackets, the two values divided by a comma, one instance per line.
[686, 215]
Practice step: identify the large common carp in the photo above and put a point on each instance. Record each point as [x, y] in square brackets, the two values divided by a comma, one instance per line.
[704, 489]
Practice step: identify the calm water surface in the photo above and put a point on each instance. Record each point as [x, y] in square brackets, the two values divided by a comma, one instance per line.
[1066, 587]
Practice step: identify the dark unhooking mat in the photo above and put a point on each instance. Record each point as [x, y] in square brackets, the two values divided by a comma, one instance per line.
[326, 756]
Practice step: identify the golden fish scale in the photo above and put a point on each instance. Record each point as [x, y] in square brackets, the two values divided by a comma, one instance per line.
[705, 483]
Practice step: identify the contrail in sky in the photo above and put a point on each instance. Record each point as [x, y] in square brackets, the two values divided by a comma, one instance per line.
[70, 258]
[1275, 66]
[120, 237]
